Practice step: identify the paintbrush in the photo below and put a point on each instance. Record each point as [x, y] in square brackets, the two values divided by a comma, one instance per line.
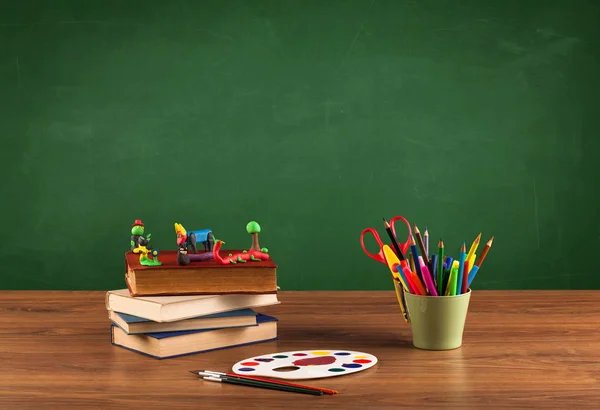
[209, 373]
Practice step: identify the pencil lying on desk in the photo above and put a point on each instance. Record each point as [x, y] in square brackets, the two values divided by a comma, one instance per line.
[209, 373]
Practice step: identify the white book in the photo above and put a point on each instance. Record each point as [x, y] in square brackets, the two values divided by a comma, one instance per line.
[173, 308]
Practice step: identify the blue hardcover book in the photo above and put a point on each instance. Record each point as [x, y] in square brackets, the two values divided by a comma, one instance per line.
[135, 325]
[172, 344]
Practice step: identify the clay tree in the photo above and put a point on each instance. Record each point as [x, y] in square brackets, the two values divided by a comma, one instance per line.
[253, 228]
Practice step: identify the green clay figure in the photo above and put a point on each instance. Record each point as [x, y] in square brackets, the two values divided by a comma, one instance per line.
[141, 245]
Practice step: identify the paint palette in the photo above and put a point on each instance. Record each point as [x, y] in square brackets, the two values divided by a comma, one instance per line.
[306, 364]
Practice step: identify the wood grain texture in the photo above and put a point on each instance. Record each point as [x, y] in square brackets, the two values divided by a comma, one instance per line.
[522, 349]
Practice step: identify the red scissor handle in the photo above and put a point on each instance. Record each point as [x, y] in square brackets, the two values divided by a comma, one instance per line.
[403, 246]
[379, 257]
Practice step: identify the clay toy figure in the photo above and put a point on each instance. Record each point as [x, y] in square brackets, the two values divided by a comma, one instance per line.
[144, 259]
[141, 245]
[137, 235]
[183, 257]
[204, 236]
[255, 254]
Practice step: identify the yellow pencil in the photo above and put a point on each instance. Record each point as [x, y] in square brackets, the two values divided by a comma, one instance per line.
[472, 262]
[472, 250]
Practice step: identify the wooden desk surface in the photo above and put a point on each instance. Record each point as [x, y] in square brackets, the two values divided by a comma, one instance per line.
[521, 350]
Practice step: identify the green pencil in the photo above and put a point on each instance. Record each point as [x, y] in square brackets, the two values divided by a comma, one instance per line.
[440, 283]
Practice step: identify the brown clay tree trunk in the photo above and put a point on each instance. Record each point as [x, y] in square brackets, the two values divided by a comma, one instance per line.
[255, 246]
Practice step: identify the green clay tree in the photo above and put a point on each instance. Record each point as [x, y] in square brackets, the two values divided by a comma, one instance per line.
[253, 228]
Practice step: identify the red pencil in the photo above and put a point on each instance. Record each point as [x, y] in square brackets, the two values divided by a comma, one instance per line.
[465, 277]
[262, 379]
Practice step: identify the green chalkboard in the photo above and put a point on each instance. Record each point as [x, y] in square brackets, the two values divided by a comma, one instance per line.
[315, 118]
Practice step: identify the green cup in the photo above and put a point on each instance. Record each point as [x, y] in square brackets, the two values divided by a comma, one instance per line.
[437, 322]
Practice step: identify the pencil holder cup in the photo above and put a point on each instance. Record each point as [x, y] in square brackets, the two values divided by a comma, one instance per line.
[437, 322]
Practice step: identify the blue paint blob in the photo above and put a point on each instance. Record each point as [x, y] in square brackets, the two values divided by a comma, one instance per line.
[352, 365]
[280, 356]
[342, 354]
[246, 369]
[336, 370]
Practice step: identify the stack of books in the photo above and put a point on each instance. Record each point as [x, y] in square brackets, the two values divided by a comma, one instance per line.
[172, 310]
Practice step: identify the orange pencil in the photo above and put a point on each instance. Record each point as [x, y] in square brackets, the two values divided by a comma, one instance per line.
[417, 282]
[486, 249]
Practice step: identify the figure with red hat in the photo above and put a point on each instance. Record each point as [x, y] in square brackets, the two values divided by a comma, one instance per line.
[137, 235]
[141, 245]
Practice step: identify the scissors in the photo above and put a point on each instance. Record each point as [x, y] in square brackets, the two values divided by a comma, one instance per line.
[379, 256]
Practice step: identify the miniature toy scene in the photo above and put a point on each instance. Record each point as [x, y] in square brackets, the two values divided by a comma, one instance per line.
[216, 293]
[187, 241]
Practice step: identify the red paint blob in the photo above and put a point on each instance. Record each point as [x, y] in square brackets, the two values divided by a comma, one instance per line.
[299, 354]
[315, 361]
[361, 361]
[249, 364]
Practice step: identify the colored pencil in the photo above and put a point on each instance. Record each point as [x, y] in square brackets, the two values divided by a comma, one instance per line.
[472, 261]
[465, 284]
[440, 270]
[473, 249]
[426, 237]
[262, 380]
[461, 268]
[428, 280]
[418, 284]
[415, 257]
[409, 280]
[421, 245]
[486, 249]
[402, 277]
[451, 287]
[394, 241]
[475, 268]
[411, 261]
[434, 258]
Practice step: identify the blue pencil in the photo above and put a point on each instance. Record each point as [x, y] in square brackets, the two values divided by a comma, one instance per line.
[461, 268]
[401, 273]
[472, 274]
[434, 265]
